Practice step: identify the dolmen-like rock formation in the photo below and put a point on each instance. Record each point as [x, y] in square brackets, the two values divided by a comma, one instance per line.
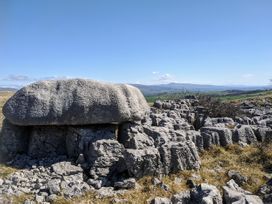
[104, 128]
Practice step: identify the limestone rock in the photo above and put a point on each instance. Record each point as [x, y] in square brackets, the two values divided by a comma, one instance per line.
[176, 156]
[145, 162]
[47, 140]
[244, 133]
[75, 102]
[224, 135]
[232, 193]
[105, 158]
[13, 140]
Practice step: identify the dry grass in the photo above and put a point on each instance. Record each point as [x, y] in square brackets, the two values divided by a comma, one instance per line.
[4, 96]
[6, 170]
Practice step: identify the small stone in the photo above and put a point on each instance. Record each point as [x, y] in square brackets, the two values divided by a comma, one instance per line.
[39, 199]
[125, 184]
[51, 198]
[29, 202]
[155, 181]
[159, 200]
[54, 186]
[97, 184]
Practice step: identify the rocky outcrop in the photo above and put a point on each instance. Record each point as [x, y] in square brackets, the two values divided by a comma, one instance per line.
[75, 102]
[107, 137]
[234, 194]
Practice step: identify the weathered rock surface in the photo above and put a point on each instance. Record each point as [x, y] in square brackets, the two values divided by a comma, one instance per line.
[13, 140]
[75, 102]
[97, 154]
[234, 194]
[204, 193]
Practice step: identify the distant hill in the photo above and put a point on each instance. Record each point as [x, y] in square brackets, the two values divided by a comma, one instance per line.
[7, 89]
[186, 87]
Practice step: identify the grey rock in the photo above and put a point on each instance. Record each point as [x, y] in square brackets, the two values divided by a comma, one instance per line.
[197, 139]
[181, 198]
[232, 193]
[262, 133]
[244, 133]
[45, 141]
[39, 199]
[97, 184]
[155, 181]
[51, 198]
[125, 184]
[145, 162]
[66, 168]
[13, 140]
[28, 202]
[159, 200]
[237, 177]
[207, 194]
[132, 136]
[75, 102]
[79, 138]
[224, 134]
[106, 158]
[54, 186]
[176, 156]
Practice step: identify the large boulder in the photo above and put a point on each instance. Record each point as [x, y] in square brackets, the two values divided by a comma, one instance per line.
[75, 102]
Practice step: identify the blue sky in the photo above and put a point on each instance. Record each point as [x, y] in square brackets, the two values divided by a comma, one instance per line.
[137, 41]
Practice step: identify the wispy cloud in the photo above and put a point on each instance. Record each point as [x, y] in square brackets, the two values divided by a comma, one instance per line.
[248, 75]
[20, 78]
[163, 78]
[155, 72]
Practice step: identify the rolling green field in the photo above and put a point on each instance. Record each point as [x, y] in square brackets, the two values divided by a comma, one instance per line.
[231, 96]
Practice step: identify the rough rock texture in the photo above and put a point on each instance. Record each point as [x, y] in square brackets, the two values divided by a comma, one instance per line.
[79, 138]
[46, 141]
[108, 157]
[244, 133]
[234, 194]
[13, 140]
[216, 135]
[204, 193]
[143, 162]
[176, 156]
[75, 102]
[105, 158]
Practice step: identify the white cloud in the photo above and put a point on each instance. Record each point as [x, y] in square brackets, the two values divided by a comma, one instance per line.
[17, 78]
[155, 72]
[246, 76]
[164, 78]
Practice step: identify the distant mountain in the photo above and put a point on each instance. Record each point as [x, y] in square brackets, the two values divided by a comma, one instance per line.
[186, 87]
[7, 89]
